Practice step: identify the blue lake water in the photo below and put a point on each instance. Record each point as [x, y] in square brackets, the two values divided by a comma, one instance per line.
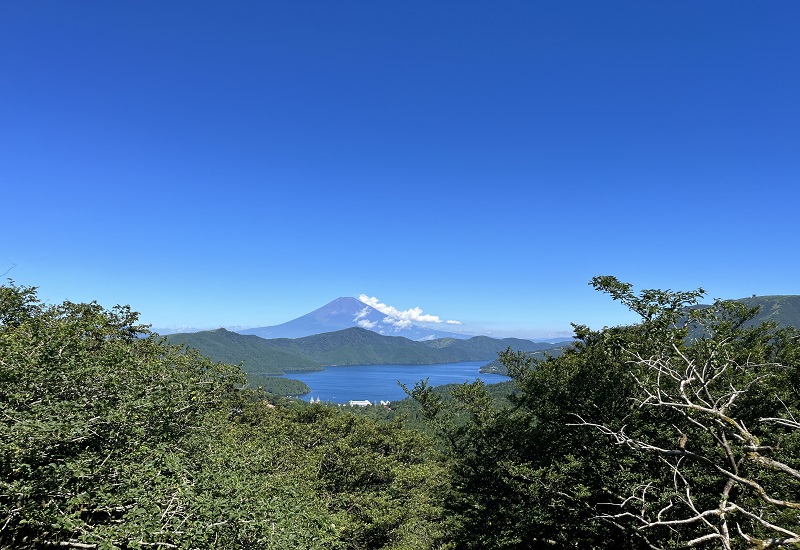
[379, 382]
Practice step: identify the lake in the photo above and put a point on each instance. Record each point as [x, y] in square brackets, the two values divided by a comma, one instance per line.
[379, 382]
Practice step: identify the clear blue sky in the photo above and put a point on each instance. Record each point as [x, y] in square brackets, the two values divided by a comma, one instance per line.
[242, 163]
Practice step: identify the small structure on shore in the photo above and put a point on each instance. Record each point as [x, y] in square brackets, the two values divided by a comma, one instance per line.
[363, 403]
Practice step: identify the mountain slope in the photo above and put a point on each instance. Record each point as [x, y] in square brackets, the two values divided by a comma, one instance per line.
[782, 309]
[256, 354]
[357, 346]
[344, 313]
[484, 347]
[353, 346]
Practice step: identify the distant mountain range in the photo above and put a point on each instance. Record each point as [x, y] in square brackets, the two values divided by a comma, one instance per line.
[318, 339]
[345, 313]
[352, 346]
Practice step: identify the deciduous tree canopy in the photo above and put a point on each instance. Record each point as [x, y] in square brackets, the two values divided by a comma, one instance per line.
[680, 430]
[109, 438]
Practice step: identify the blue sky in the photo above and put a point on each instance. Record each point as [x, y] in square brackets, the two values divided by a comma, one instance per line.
[240, 164]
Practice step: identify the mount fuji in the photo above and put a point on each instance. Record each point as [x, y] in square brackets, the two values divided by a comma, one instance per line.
[345, 313]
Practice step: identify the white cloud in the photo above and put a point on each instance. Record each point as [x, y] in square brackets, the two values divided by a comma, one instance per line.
[361, 314]
[397, 323]
[366, 323]
[402, 318]
[452, 322]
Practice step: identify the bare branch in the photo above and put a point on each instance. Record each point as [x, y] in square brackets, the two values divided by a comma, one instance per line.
[783, 422]
[705, 396]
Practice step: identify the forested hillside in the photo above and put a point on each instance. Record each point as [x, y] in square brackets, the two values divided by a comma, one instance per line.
[482, 347]
[636, 437]
[261, 362]
[257, 355]
[782, 310]
[352, 346]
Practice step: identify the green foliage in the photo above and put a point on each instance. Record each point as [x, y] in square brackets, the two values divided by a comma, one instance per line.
[277, 385]
[317, 477]
[86, 397]
[382, 482]
[109, 438]
[680, 430]
[410, 414]
[598, 448]
[554, 350]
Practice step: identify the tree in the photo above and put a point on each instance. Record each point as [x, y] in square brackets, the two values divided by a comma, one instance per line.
[110, 438]
[588, 431]
[729, 437]
[95, 414]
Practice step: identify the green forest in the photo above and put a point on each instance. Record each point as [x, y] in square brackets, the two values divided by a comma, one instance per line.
[682, 430]
[352, 346]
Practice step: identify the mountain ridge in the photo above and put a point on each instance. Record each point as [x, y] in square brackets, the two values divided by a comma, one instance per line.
[360, 346]
[783, 309]
[352, 346]
[254, 352]
[347, 312]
